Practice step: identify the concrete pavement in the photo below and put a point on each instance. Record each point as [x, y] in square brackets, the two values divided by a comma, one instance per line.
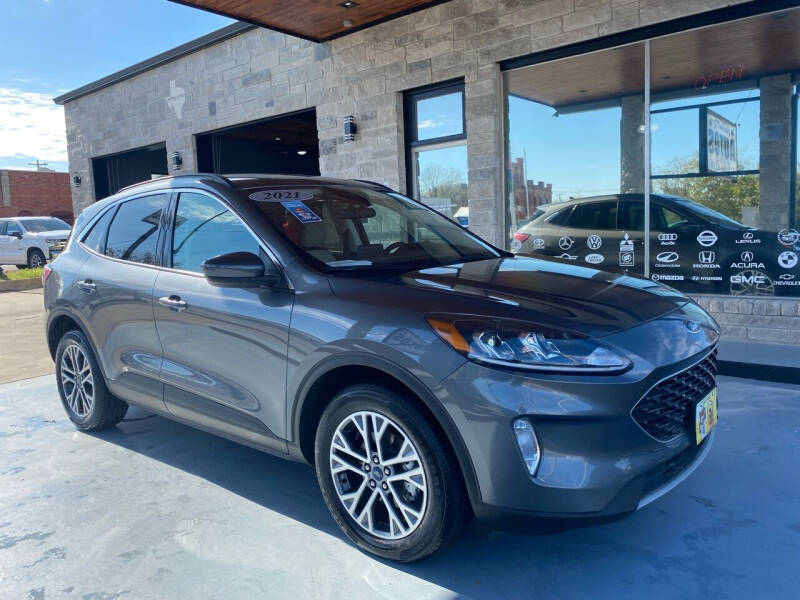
[23, 349]
[153, 509]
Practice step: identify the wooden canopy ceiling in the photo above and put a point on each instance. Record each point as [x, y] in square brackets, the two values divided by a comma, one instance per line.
[315, 20]
[710, 56]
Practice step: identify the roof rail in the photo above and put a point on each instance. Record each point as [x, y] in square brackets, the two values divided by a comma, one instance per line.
[212, 176]
[382, 186]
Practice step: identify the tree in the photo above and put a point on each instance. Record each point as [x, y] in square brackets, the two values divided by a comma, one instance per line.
[439, 181]
[724, 194]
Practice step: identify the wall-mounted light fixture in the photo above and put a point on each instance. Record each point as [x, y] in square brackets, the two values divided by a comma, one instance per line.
[350, 128]
[76, 179]
[177, 161]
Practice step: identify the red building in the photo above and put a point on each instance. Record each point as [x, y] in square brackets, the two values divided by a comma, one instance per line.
[41, 193]
[528, 196]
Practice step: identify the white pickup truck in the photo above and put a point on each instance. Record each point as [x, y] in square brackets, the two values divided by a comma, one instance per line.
[31, 241]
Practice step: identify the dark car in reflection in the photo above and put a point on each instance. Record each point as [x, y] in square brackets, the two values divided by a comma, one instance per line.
[692, 246]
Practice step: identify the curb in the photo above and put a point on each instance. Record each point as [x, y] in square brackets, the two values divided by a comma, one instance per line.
[20, 285]
[778, 374]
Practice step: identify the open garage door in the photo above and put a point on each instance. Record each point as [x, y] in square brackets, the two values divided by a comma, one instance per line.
[114, 172]
[288, 144]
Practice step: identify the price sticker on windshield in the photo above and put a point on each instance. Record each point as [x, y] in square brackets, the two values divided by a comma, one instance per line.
[301, 211]
[281, 195]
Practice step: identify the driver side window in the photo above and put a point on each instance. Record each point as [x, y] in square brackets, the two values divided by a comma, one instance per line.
[13, 227]
[204, 228]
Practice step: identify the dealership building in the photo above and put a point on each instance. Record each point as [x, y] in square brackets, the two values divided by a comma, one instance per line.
[488, 109]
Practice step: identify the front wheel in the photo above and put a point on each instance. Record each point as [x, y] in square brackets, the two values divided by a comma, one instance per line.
[36, 259]
[387, 476]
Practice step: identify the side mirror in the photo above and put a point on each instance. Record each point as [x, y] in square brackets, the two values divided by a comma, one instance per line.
[16, 234]
[240, 269]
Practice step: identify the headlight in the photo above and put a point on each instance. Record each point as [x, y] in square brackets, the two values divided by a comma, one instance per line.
[51, 241]
[513, 343]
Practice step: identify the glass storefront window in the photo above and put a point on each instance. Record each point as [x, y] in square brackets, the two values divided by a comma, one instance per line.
[723, 160]
[437, 149]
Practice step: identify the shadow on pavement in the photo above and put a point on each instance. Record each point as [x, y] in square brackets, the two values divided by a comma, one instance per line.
[668, 550]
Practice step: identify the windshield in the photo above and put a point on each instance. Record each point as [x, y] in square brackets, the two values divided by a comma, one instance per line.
[708, 214]
[39, 225]
[347, 228]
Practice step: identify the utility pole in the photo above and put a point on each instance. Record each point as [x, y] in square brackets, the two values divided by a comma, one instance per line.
[38, 164]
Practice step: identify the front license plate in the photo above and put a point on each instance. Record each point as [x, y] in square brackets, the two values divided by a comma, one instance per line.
[705, 416]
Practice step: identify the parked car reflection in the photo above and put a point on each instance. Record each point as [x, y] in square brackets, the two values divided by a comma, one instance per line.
[692, 247]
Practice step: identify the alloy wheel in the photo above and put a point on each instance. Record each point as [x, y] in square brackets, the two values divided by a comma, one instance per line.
[77, 381]
[378, 475]
[36, 260]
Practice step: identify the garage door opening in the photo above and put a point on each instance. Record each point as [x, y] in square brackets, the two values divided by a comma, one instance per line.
[114, 172]
[288, 144]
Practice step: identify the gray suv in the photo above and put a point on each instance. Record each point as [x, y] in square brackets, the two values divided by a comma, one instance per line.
[427, 375]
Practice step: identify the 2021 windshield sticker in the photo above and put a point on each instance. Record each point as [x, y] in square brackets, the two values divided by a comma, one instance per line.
[301, 212]
[281, 195]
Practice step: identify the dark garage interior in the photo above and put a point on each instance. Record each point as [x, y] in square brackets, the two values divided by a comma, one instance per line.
[288, 144]
[114, 172]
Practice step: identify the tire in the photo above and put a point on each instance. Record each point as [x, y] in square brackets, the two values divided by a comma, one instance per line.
[95, 408]
[36, 259]
[436, 492]
[21, 266]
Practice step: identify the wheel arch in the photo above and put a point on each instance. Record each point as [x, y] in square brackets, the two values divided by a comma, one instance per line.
[60, 323]
[321, 384]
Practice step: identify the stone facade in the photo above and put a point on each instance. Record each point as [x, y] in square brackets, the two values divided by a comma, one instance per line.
[262, 73]
[770, 320]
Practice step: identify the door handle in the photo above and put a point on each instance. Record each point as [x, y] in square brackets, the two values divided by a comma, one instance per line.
[173, 303]
[88, 285]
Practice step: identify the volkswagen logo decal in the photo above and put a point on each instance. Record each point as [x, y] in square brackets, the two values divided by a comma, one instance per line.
[692, 326]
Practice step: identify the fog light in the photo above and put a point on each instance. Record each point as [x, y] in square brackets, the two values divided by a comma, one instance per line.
[528, 444]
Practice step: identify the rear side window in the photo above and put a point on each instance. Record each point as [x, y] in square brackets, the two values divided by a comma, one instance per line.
[133, 233]
[3, 226]
[96, 238]
[203, 229]
[560, 217]
[594, 215]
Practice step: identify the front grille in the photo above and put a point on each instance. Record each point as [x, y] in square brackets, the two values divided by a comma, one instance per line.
[666, 411]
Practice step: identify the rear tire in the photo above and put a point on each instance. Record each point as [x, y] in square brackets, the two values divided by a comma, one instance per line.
[413, 507]
[36, 259]
[82, 388]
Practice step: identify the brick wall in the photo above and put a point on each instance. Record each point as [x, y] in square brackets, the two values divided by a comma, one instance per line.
[35, 193]
[755, 319]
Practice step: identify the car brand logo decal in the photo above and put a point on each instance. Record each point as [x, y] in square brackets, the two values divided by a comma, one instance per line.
[594, 242]
[566, 256]
[788, 259]
[748, 238]
[565, 242]
[788, 237]
[538, 243]
[663, 277]
[749, 279]
[667, 257]
[707, 238]
[692, 326]
[707, 256]
[787, 276]
[626, 252]
[667, 239]
[594, 259]
[747, 256]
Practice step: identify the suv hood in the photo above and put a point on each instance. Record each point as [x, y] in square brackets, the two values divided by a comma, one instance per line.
[56, 233]
[573, 297]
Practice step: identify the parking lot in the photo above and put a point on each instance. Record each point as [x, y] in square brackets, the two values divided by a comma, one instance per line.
[153, 509]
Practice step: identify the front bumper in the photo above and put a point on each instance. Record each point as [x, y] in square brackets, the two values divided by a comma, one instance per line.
[597, 464]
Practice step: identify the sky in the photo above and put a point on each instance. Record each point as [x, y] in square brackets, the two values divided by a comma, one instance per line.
[49, 47]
